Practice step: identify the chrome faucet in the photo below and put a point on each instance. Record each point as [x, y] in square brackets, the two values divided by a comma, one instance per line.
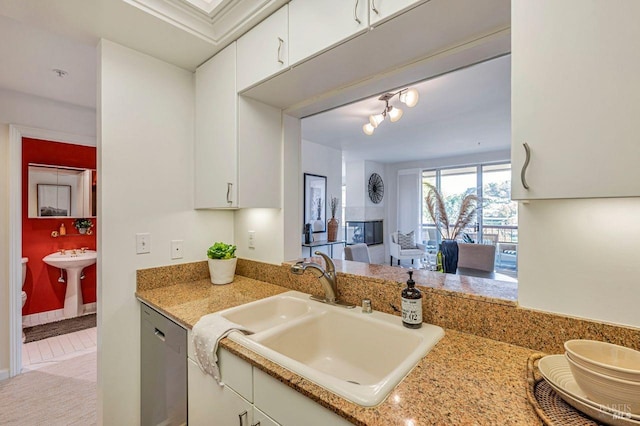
[327, 277]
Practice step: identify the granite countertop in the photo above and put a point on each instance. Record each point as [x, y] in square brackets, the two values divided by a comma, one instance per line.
[465, 379]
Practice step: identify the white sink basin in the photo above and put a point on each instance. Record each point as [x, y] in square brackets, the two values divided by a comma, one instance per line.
[267, 313]
[70, 260]
[358, 356]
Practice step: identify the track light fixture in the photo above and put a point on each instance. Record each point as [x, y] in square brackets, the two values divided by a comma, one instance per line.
[409, 97]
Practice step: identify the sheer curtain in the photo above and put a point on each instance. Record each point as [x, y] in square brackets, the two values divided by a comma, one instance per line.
[409, 202]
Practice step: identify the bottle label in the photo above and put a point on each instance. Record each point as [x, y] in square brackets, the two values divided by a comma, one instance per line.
[412, 311]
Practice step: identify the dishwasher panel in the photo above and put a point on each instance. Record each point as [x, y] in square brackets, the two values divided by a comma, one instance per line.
[163, 367]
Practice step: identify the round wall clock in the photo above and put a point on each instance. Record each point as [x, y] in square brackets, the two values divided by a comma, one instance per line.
[376, 188]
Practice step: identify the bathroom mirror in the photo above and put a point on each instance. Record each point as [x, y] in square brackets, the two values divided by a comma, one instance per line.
[58, 191]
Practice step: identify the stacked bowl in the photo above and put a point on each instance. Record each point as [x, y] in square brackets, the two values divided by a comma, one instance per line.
[608, 374]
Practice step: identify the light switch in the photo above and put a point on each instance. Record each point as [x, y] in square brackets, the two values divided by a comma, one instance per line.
[176, 249]
[252, 239]
[143, 243]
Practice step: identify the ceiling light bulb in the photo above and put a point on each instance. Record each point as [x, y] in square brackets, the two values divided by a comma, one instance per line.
[410, 97]
[376, 119]
[368, 129]
[395, 114]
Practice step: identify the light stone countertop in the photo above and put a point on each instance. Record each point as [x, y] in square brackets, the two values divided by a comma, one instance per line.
[465, 379]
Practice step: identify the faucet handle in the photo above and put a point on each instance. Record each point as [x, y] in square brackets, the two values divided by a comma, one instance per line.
[62, 251]
[83, 249]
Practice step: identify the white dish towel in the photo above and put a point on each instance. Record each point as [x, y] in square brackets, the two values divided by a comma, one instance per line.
[207, 333]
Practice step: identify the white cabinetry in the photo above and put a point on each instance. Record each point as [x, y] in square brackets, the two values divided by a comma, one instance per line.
[216, 125]
[238, 144]
[251, 391]
[260, 154]
[316, 26]
[211, 404]
[575, 98]
[264, 51]
[381, 10]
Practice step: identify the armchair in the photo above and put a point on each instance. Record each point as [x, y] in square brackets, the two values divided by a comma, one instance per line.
[396, 251]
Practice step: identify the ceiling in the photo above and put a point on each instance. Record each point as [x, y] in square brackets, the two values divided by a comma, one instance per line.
[466, 111]
[463, 112]
[37, 36]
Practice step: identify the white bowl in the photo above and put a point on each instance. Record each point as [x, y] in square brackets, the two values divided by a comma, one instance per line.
[605, 358]
[613, 393]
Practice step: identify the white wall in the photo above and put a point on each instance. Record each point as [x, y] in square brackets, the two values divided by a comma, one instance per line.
[145, 162]
[4, 251]
[325, 161]
[580, 258]
[34, 111]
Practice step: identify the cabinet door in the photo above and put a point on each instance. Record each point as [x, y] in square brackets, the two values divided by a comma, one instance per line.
[381, 10]
[575, 98]
[260, 154]
[264, 51]
[316, 26]
[213, 405]
[216, 132]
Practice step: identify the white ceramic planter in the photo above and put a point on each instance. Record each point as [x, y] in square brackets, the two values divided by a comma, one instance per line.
[222, 270]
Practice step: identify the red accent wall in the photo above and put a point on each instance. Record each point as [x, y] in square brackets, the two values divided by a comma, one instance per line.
[44, 292]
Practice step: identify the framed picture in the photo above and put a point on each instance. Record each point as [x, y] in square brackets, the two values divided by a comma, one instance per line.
[315, 202]
[54, 200]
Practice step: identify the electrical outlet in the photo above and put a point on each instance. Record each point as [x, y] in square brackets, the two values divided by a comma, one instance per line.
[143, 243]
[252, 239]
[176, 249]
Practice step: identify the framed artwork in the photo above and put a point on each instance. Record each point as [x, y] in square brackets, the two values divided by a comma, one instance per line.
[315, 202]
[54, 200]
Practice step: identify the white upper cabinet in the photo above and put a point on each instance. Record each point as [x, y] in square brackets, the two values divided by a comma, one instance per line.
[260, 154]
[315, 26]
[575, 98]
[381, 10]
[216, 122]
[264, 51]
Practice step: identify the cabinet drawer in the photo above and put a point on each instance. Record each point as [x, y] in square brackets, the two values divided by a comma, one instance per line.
[289, 407]
[261, 419]
[236, 373]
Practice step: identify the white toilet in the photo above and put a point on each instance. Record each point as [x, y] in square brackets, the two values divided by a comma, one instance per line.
[24, 277]
[24, 293]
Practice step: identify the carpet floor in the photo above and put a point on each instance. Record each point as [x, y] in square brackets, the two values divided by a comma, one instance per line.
[43, 331]
[61, 394]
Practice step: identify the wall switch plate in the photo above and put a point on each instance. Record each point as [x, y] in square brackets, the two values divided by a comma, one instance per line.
[252, 239]
[143, 243]
[176, 249]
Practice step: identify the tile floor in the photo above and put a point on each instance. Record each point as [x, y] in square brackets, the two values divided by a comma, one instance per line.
[44, 352]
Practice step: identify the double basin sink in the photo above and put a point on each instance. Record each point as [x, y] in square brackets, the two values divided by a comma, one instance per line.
[359, 356]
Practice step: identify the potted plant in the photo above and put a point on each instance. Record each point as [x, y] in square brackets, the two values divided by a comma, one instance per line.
[332, 224]
[83, 225]
[438, 212]
[222, 262]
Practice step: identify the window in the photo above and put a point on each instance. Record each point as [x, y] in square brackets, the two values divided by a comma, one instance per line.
[497, 216]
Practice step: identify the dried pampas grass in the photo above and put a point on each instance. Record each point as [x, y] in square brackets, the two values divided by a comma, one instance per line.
[437, 211]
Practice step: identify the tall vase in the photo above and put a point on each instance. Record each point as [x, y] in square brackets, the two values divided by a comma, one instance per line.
[332, 229]
[449, 250]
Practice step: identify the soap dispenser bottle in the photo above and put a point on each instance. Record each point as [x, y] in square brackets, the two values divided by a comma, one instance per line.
[63, 230]
[411, 304]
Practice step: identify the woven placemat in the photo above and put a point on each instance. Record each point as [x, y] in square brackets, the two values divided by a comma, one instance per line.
[551, 409]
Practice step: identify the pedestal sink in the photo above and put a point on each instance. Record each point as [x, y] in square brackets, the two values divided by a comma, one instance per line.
[73, 261]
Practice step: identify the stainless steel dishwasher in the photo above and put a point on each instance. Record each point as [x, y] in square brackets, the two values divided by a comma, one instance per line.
[163, 367]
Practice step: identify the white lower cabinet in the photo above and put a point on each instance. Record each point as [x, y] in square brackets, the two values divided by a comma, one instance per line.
[250, 397]
[211, 404]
